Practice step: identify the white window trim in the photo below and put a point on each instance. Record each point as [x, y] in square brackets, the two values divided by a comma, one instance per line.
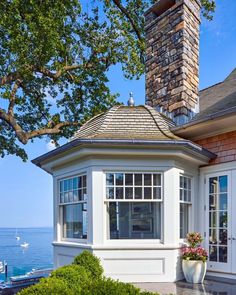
[125, 242]
[189, 203]
[60, 207]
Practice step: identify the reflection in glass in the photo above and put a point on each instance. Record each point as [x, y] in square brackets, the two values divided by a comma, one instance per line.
[110, 193]
[147, 193]
[129, 193]
[223, 237]
[223, 182]
[157, 179]
[119, 178]
[212, 202]
[213, 236]
[223, 254]
[138, 193]
[223, 219]
[156, 193]
[130, 220]
[128, 179]
[109, 178]
[213, 253]
[223, 201]
[119, 193]
[213, 185]
[147, 179]
[212, 219]
[138, 179]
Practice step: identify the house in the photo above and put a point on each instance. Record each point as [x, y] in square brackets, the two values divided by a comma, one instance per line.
[134, 180]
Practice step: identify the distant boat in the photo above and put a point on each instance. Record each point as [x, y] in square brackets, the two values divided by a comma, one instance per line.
[17, 237]
[24, 245]
[1, 267]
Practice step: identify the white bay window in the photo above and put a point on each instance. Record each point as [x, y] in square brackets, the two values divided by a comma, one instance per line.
[134, 203]
[73, 207]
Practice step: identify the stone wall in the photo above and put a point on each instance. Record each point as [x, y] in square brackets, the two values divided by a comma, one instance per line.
[172, 58]
[224, 145]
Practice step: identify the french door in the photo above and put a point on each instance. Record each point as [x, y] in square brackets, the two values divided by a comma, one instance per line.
[219, 222]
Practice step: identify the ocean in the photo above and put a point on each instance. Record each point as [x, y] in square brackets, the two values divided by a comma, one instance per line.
[19, 260]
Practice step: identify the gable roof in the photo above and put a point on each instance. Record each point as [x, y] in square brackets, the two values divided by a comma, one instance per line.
[124, 122]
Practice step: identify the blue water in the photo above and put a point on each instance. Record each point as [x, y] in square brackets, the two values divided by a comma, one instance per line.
[37, 255]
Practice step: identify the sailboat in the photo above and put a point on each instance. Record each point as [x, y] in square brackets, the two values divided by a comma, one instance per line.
[1, 267]
[17, 237]
[24, 245]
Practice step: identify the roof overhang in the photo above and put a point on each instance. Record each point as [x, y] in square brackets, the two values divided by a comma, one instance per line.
[217, 123]
[79, 148]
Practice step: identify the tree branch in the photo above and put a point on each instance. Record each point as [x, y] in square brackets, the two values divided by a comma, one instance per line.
[128, 16]
[55, 130]
[13, 97]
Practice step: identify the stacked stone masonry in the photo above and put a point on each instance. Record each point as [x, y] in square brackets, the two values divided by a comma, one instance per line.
[172, 58]
[223, 145]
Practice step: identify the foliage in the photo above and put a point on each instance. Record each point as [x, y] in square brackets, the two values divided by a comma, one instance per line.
[73, 274]
[197, 253]
[194, 239]
[194, 251]
[52, 286]
[54, 60]
[90, 262]
[83, 277]
[109, 286]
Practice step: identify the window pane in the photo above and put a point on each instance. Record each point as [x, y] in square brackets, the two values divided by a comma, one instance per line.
[110, 193]
[157, 179]
[181, 182]
[147, 193]
[223, 184]
[157, 193]
[119, 193]
[181, 194]
[138, 193]
[212, 219]
[75, 196]
[119, 179]
[84, 181]
[61, 186]
[138, 179]
[213, 185]
[62, 198]
[129, 179]
[147, 179]
[212, 202]
[223, 254]
[75, 183]
[223, 201]
[110, 179]
[129, 193]
[130, 220]
[74, 225]
[189, 183]
[184, 220]
[185, 195]
[223, 219]
[213, 236]
[223, 237]
[66, 185]
[213, 253]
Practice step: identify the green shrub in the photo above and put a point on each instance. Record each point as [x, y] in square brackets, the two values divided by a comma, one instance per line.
[49, 286]
[91, 263]
[73, 274]
[112, 287]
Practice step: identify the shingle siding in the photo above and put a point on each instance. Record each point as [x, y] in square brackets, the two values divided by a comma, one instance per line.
[224, 145]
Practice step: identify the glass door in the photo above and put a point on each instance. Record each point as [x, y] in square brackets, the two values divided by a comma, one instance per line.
[218, 234]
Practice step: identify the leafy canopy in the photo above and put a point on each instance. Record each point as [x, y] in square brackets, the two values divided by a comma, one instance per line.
[54, 59]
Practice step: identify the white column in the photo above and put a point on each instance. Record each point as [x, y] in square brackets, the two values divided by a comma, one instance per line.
[171, 207]
[97, 207]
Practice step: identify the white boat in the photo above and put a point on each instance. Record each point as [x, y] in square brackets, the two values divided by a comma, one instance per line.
[17, 237]
[24, 245]
[1, 266]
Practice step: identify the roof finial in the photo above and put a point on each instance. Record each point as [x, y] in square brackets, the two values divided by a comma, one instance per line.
[131, 100]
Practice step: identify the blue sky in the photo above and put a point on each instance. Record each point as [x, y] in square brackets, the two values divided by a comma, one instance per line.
[26, 190]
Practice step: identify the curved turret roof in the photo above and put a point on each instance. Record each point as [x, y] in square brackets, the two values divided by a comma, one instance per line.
[125, 122]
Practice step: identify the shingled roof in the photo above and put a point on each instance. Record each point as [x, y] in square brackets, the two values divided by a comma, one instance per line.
[124, 122]
[218, 98]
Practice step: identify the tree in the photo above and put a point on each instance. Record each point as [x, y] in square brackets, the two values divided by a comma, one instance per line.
[54, 58]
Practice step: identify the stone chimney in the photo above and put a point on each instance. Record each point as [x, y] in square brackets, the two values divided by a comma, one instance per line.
[172, 58]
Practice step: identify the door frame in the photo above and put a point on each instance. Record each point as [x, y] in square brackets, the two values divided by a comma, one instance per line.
[219, 266]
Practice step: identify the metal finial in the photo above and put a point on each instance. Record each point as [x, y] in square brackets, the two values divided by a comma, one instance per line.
[131, 100]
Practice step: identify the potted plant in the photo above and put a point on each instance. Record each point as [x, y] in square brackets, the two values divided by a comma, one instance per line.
[194, 259]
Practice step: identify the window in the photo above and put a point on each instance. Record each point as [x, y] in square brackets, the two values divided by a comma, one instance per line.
[134, 203]
[73, 207]
[185, 204]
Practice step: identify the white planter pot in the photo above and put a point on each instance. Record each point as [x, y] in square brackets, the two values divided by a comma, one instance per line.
[194, 271]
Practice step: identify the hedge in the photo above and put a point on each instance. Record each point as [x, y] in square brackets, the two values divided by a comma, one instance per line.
[83, 277]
